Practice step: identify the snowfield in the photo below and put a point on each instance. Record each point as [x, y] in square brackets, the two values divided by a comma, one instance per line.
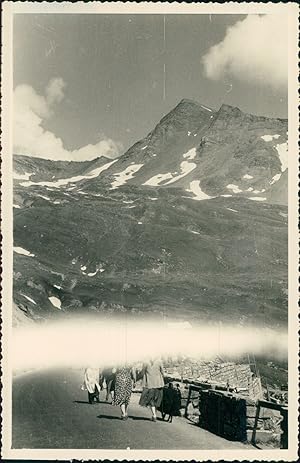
[25, 176]
[64, 181]
[234, 188]
[270, 137]
[207, 109]
[282, 151]
[275, 179]
[22, 251]
[197, 191]
[185, 167]
[122, 177]
[191, 154]
[232, 210]
[247, 176]
[28, 298]
[258, 198]
[157, 179]
[92, 274]
[55, 302]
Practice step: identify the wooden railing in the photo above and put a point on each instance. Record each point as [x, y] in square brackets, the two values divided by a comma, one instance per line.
[284, 423]
[259, 405]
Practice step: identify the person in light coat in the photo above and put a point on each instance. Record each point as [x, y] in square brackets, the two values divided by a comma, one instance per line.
[153, 383]
[91, 384]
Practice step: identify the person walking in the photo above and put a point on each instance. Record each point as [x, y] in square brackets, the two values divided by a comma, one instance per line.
[169, 405]
[91, 384]
[109, 374]
[125, 380]
[153, 383]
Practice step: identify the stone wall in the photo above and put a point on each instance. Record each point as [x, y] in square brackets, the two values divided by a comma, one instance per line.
[226, 374]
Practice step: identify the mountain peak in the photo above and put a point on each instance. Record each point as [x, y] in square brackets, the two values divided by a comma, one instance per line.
[189, 110]
[226, 108]
[189, 102]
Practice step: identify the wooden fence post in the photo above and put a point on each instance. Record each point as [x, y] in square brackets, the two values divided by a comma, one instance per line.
[284, 441]
[255, 423]
[188, 401]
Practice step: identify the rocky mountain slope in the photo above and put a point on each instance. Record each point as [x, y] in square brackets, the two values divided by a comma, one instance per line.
[191, 222]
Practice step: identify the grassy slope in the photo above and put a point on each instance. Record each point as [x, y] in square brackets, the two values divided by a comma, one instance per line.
[234, 268]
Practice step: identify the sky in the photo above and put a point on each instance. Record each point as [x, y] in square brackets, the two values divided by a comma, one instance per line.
[87, 85]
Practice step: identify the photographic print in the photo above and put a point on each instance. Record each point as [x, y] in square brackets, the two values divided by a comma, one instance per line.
[149, 172]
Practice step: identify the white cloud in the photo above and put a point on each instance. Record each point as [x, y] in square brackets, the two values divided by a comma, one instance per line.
[253, 50]
[55, 90]
[29, 136]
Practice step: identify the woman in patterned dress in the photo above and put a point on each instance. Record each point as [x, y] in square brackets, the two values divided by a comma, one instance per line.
[125, 379]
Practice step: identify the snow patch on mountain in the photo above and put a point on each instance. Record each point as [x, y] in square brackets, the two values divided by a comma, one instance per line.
[234, 188]
[92, 274]
[28, 298]
[144, 147]
[197, 191]
[186, 167]
[282, 150]
[247, 176]
[55, 301]
[226, 196]
[157, 179]
[16, 206]
[275, 179]
[249, 189]
[229, 209]
[22, 251]
[270, 137]
[122, 177]
[258, 198]
[283, 214]
[191, 154]
[25, 176]
[207, 109]
[64, 181]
